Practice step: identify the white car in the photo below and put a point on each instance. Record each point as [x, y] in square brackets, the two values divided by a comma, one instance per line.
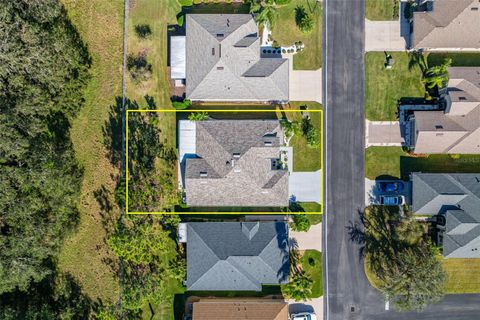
[303, 316]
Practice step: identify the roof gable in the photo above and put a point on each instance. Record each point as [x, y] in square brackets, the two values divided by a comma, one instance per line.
[440, 27]
[240, 308]
[220, 49]
[254, 254]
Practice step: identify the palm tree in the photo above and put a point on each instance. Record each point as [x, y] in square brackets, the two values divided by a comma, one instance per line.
[437, 76]
[265, 10]
[299, 288]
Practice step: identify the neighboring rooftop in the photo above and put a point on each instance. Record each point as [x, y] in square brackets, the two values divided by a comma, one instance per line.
[224, 63]
[236, 164]
[457, 129]
[240, 309]
[236, 256]
[450, 25]
[457, 196]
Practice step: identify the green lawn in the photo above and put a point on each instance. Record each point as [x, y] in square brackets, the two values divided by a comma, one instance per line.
[460, 59]
[305, 158]
[384, 87]
[311, 262]
[381, 9]
[463, 275]
[286, 33]
[85, 254]
[394, 162]
[312, 207]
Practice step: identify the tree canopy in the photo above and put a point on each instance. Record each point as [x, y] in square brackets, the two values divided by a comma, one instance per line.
[405, 263]
[43, 69]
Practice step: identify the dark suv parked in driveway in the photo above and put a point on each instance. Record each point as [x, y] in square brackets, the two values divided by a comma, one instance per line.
[393, 186]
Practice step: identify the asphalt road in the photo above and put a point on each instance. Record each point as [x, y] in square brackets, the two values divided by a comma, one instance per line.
[348, 294]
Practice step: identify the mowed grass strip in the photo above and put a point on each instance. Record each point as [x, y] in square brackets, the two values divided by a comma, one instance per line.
[85, 254]
[311, 262]
[384, 87]
[463, 275]
[381, 10]
[286, 33]
[305, 158]
[396, 163]
[459, 59]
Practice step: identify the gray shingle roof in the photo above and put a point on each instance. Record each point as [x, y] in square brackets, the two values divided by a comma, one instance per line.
[220, 50]
[457, 130]
[441, 28]
[458, 197]
[236, 255]
[234, 165]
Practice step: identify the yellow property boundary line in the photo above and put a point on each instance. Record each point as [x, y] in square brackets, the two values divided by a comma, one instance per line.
[227, 110]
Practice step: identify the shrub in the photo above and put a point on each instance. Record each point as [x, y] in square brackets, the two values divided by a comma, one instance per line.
[186, 3]
[300, 222]
[311, 133]
[304, 20]
[180, 105]
[198, 116]
[143, 30]
[139, 67]
[181, 20]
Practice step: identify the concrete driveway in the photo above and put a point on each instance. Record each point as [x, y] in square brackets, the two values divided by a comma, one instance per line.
[313, 305]
[383, 133]
[305, 85]
[310, 240]
[373, 193]
[305, 186]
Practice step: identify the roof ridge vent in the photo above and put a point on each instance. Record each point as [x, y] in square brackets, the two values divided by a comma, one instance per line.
[250, 229]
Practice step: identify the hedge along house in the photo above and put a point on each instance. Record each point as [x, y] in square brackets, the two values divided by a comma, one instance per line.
[222, 61]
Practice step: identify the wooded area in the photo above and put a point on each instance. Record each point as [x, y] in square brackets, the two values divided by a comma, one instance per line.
[43, 69]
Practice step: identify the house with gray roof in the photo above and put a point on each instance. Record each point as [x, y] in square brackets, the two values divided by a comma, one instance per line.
[236, 256]
[446, 25]
[456, 128]
[223, 61]
[456, 196]
[232, 163]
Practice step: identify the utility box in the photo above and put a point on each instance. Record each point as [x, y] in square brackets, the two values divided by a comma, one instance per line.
[182, 232]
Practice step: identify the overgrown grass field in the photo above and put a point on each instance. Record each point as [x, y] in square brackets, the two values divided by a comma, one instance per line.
[85, 254]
